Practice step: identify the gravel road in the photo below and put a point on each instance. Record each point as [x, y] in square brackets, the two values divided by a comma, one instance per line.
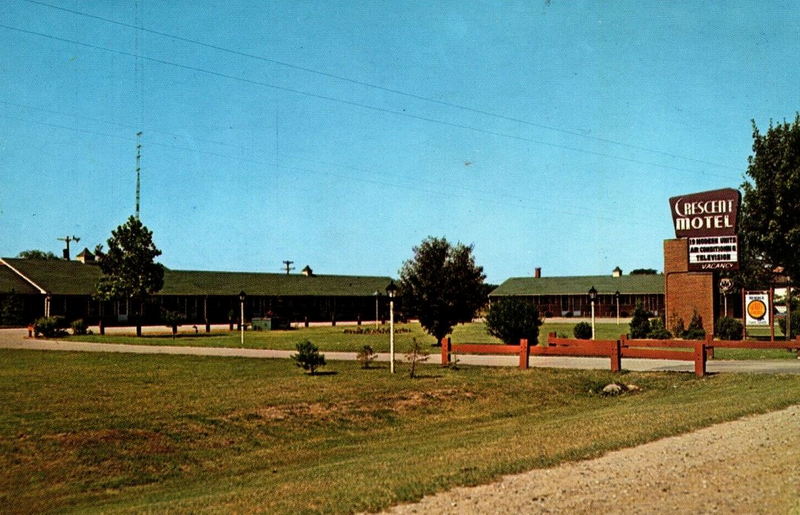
[751, 465]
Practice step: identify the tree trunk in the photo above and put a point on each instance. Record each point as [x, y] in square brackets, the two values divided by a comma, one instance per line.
[789, 312]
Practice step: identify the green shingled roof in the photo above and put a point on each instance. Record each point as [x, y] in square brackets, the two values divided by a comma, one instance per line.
[57, 276]
[9, 281]
[579, 285]
[180, 282]
[74, 278]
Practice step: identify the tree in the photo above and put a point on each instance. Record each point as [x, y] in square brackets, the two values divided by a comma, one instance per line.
[511, 319]
[640, 322]
[415, 356]
[129, 270]
[442, 286]
[37, 254]
[308, 357]
[770, 220]
[643, 271]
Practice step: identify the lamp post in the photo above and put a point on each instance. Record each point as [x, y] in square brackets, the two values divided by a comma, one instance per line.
[616, 297]
[592, 299]
[377, 296]
[391, 291]
[242, 296]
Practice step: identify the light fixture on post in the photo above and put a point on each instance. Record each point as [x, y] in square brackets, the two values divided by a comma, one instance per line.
[616, 297]
[391, 291]
[242, 297]
[592, 299]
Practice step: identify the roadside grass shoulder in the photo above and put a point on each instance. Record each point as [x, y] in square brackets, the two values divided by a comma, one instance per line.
[116, 432]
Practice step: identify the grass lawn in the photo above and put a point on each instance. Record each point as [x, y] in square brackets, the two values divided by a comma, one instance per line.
[118, 432]
[340, 338]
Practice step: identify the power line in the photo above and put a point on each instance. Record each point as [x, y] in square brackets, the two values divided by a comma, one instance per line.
[499, 199]
[362, 105]
[454, 105]
[119, 124]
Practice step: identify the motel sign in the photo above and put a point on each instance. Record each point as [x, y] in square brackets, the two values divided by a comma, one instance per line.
[708, 221]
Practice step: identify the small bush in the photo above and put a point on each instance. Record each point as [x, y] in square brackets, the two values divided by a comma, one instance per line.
[678, 328]
[511, 319]
[50, 327]
[173, 320]
[79, 326]
[658, 331]
[582, 331]
[695, 330]
[308, 357]
[640, 323]
[729, 328]
[795, 323]
[414, 356]
[366, 356]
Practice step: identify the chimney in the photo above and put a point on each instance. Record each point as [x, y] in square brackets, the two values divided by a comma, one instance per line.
[537, 272]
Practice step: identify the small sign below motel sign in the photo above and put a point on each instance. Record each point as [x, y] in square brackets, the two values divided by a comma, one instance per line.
[708, 219]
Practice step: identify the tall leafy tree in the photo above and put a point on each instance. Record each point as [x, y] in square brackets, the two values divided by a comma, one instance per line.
[442, 286]
[37, 254]
[770, 218]
[129, 269]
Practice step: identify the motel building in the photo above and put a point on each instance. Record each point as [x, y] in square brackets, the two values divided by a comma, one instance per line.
[569, 296]
[66, 288]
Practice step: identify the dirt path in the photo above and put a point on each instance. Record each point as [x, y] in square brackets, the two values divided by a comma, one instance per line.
[751, 465]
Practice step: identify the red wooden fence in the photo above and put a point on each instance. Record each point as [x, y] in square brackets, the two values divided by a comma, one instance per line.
[698, 351]
[470, 348]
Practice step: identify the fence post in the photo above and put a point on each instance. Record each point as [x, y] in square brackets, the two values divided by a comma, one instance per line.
[616, 356]
[445, 351]
[700, 358]
[523, 353]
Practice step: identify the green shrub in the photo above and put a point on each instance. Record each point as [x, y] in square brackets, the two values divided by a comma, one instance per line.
[511, 319]
[678, 328]
[640, 323]
[695, 330]
[50, 327]
[173, 320]
[308, 357]
[582, 331]
[79, 326]
[658, 331]
[795, 324]
[729, 328]
[366, 356]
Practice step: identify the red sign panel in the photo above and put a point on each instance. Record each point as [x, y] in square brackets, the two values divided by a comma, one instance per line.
[710, 213]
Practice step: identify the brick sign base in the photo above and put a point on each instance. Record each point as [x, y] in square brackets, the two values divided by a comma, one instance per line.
[685, 291]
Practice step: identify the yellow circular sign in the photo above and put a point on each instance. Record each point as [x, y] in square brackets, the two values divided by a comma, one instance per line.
[757, 309]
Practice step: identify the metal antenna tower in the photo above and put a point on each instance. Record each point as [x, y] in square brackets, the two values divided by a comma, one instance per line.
[138, 170]
[288, 266]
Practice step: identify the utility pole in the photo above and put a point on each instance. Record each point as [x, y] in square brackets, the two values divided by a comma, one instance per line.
[67, 239]
[288, 266]
[138, 170]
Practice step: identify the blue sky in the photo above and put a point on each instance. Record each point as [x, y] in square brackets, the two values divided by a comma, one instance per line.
[340, 134]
